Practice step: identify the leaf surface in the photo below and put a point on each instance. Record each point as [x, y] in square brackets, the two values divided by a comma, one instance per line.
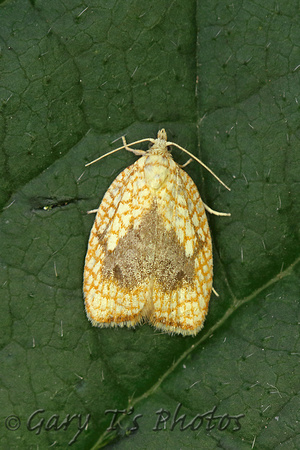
[224, 82]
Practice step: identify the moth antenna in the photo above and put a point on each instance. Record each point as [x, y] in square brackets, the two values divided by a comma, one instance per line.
[119, 148]
[200, 162]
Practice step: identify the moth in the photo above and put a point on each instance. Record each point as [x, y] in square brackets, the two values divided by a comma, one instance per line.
[149, 254]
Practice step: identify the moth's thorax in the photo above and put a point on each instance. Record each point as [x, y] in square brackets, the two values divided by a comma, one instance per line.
[157, 169]
[157, 162]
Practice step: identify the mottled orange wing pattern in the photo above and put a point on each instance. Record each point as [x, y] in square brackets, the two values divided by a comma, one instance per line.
[182, 307]
[108, 299]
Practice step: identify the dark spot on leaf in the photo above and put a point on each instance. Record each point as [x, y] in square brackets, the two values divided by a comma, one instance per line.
[48, 204]
[47, 80]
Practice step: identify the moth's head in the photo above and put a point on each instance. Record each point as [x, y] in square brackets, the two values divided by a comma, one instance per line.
[160, 144]
[162, 135]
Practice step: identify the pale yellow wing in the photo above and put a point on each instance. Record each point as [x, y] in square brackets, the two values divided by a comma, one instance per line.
[116, 288]
[182, 280]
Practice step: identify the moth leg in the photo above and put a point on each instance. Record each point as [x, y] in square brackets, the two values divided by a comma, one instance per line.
[133, 150]
[216, 213]
[215, 292]
[185, 164]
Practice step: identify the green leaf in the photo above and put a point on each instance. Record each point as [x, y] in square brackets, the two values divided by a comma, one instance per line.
[75, 77]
